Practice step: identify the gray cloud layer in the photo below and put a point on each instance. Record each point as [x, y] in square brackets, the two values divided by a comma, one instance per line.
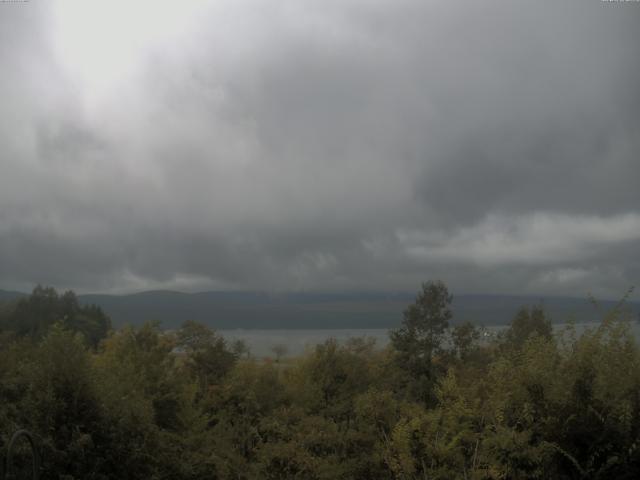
[330, 145]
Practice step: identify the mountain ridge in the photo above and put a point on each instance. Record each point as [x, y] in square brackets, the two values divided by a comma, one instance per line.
[305, 310]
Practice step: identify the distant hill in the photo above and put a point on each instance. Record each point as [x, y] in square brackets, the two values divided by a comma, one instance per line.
[251, 310]
[7, 296]
[229, 310]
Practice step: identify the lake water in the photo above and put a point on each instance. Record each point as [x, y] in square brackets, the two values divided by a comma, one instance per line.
[261, 342]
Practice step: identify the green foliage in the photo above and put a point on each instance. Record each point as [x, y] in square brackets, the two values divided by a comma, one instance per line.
[464, 338]
[208, 358]
[527, 322]
[184, 405]
[34, 315]
[420, 337]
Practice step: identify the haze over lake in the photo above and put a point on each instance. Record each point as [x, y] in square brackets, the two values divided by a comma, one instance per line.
[297, 342]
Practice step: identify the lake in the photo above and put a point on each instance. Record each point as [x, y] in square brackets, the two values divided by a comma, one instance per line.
[261, 342]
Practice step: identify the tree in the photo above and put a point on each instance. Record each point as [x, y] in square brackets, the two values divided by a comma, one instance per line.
[421, 333]
[34, 315]
[241, 349]
[463, 338]
[208, 357]
[61, 405]
[526, 323]
[279, 350]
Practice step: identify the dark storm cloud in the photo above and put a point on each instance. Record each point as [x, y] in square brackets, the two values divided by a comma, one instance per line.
[330, 145]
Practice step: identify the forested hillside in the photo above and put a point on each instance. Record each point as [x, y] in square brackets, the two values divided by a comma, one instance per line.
[255, 310]
[228, 310]
[438, 403]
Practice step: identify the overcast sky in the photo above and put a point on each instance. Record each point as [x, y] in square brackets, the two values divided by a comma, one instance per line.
[323, 145]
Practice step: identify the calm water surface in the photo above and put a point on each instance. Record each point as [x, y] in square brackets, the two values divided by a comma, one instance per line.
[262, 342]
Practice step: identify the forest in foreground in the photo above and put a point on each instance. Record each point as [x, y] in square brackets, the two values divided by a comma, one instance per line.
[440, 402]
